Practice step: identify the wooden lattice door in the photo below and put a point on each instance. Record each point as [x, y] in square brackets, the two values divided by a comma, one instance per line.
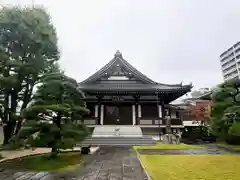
[111, 115]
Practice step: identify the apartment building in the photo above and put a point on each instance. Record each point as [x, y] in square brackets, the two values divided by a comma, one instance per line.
[230, 62]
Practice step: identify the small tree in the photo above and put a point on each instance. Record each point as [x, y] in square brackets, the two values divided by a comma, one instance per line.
[200, 111]
[53, 113]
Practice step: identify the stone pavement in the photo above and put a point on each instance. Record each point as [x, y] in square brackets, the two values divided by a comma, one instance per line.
[109, 163]
[12, 154]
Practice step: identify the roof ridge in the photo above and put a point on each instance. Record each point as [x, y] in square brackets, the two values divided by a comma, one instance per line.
[99, 71]
[137, 71]
[117, 56]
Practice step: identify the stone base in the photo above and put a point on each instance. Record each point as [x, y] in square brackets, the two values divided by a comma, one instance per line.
[170, 139]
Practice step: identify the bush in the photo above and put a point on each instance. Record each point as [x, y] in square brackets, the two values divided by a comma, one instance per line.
[197, 134]
[234, 130]
[234, 134]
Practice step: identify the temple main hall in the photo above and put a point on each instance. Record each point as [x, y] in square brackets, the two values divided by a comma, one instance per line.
[118, 94]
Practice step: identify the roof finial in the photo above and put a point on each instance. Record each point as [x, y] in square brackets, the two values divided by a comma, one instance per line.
[118, 53]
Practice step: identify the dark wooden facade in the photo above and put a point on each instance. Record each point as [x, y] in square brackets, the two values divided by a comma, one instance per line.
[120, 94]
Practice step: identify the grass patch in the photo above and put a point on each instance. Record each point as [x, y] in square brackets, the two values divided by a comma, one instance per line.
[192, 167]
[169, 146]
[230, 147]
[64, 162]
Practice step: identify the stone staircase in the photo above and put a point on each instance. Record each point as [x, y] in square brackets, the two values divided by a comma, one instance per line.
[117, 136]
[115, 131]
[117, 141]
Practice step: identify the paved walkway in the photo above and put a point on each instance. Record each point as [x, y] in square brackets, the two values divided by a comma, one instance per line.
[109, 163]
[12, 154]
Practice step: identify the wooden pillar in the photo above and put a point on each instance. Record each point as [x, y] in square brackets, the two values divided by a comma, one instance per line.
[135, 110]
[100, 110]
[102, 114]
[96, 111]
[133, 114]
[139, 111]
[159, 111]
[136, 114]
[99, 114]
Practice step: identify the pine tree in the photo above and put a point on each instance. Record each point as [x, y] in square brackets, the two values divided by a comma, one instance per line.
[52, 115]
[225, 111]
[28, 49]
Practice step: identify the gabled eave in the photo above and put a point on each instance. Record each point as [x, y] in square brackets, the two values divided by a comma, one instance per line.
[118, 57]
[147, 83]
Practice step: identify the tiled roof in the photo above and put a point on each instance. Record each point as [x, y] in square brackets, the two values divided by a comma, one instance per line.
[118, 58]
[144, 87]
[144, 83]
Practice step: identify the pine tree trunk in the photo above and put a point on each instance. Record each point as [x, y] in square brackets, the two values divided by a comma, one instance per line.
[7, 132]
[54, 152]
[57, 121]
[18, 127]
[26, 100]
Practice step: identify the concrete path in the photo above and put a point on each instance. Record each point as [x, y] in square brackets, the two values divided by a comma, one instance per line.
[108, 163]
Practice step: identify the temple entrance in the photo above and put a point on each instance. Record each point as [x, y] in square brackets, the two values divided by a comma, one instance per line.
[111, 115]
[125, 114]
[117, 115]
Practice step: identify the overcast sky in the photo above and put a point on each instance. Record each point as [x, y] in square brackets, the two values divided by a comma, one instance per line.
[168, 40]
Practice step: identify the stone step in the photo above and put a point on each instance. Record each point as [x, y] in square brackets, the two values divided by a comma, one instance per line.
[115, 143]
[119, 138]
[118, 141]
[117, 130]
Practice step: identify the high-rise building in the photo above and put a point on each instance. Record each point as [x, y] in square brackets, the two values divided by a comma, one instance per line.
[230, 62]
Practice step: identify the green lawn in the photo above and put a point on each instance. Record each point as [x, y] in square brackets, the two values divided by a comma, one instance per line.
[64, 162]
[169, 146]
[192, 167]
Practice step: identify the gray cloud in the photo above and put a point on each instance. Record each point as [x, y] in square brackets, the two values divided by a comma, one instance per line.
[168, 40]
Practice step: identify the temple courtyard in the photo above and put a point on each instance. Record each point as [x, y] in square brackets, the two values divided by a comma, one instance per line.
[128, 114]
[160, 161]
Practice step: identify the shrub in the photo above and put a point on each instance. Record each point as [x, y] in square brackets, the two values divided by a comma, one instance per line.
[234, 134]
